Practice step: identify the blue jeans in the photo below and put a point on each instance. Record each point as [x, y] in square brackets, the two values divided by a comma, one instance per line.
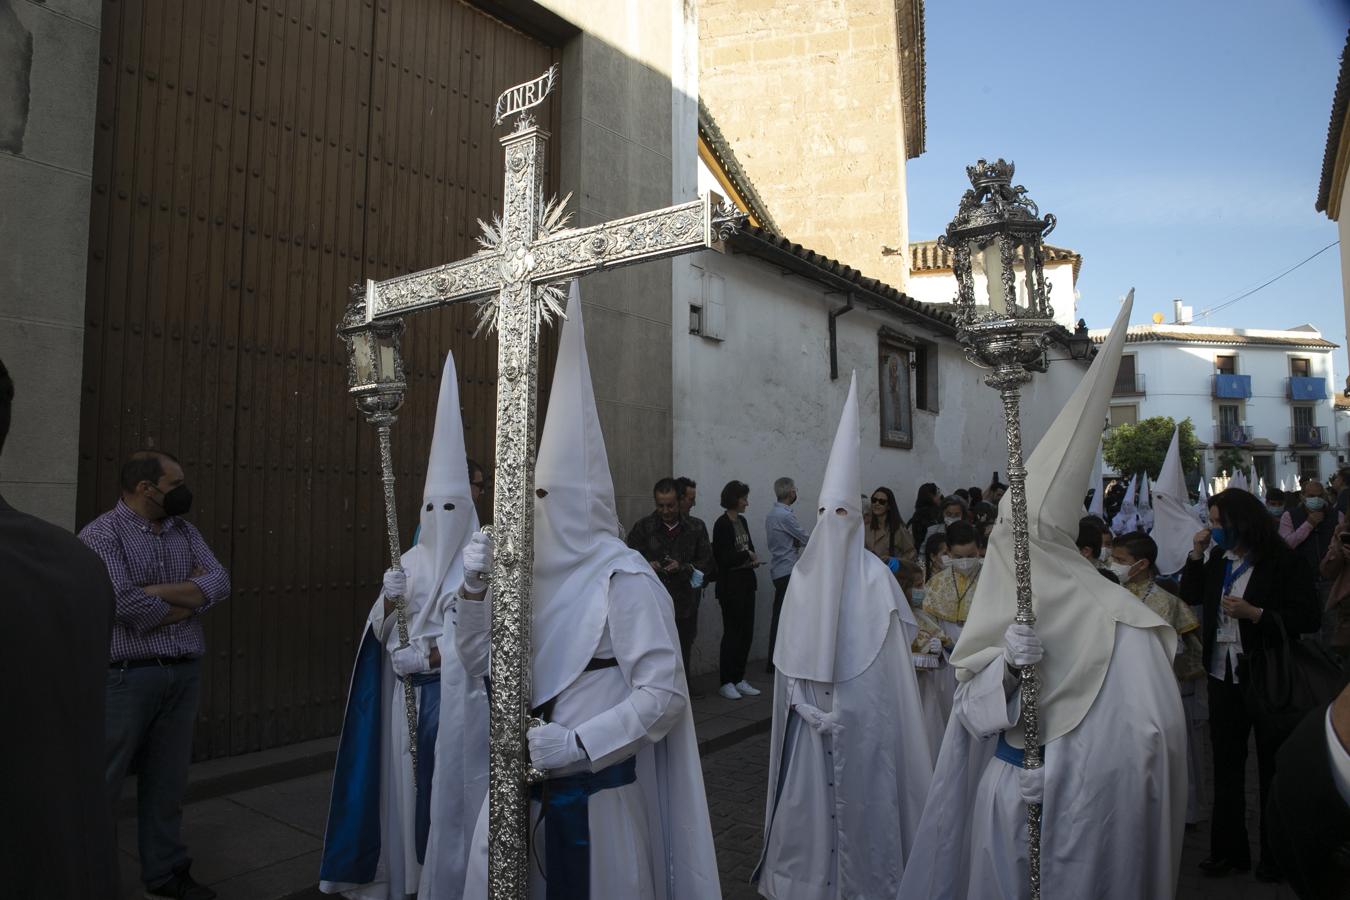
[150, 712]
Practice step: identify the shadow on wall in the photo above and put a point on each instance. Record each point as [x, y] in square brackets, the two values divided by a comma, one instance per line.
[16, 63]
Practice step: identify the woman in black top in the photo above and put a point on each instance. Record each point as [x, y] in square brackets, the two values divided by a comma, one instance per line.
[1251, 584]
[736, 561]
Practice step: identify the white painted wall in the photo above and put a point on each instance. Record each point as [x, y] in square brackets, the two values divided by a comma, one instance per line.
[760, 404]
[940, 287]
[1177, 381]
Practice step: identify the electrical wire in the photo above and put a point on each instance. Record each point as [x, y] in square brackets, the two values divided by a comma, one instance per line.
[1246, 294]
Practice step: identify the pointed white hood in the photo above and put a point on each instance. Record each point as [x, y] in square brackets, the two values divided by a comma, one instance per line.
[1145, 506]
[1127, 519]
[1173, 518]
[1097, 507]
[1239, 480]
[577, 546]
[1076, 608]
[1201, 507]
[838, 605]
[447, 516]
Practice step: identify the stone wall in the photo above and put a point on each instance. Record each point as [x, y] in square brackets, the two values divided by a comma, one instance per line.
[809, 94]
[619, 155]
[48, 86]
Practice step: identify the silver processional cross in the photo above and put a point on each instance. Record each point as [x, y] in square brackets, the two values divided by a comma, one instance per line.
[527, 252]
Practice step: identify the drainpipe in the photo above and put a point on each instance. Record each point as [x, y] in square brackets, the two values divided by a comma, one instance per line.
[834, 336]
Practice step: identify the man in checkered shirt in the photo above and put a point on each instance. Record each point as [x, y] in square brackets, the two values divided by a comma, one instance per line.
[164, 577]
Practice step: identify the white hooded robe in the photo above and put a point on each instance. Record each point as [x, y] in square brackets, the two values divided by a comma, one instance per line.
[594, 598]
[459, 763]
[1111, 717]
[843, 809]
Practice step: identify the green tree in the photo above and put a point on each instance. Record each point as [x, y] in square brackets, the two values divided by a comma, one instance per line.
[1142, 447]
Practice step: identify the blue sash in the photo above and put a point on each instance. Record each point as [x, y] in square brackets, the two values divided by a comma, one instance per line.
[428, 686]
[565, 805]
[1010, 754]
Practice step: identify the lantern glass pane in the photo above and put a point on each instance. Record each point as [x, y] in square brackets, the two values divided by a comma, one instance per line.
[991, 262]
[386, 362]
[363, 361]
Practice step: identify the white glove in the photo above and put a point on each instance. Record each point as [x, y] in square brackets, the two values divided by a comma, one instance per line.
[1031, 784]
[553, 746]
[935, 645]
[409, 660]
[477, 557]
[395, 583]
[817, 718]
[1021, 646]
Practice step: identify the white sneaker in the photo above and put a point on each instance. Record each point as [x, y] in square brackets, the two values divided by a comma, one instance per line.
[729, 691]
[748, 689]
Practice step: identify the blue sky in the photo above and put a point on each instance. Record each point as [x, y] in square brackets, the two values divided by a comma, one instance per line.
[1179, 144]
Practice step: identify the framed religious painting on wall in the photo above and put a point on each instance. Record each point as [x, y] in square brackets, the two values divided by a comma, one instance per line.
[896, 408]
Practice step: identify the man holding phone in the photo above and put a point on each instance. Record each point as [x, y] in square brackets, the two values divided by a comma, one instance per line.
[680, 554]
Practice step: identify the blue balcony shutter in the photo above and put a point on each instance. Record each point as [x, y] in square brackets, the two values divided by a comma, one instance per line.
[1236, 387]
[1307, 389]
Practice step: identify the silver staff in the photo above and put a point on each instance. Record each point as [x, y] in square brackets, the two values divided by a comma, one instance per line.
[375, 381]
[527, 252]
[999, 230]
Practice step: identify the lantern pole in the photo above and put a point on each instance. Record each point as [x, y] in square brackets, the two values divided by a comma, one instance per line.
[999, 225]
[376, 382]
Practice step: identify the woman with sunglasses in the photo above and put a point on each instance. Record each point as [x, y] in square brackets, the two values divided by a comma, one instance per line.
[887, 536]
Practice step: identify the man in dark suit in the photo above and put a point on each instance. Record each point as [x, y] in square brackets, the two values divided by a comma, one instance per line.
[1310, 804]
[56, 840]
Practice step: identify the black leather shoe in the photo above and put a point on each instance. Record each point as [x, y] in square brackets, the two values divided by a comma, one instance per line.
[1268, 872]
[1218, 866]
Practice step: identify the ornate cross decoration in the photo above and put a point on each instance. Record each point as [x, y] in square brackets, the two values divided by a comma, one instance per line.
[515, 279]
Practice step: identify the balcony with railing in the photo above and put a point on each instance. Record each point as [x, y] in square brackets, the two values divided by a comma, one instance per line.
[1229, 435]
[1129, 384]
[1299, 388]
[1308, 436]
[1231, 387]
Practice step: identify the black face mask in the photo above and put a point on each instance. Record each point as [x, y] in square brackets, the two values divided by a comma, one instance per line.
[176, 502]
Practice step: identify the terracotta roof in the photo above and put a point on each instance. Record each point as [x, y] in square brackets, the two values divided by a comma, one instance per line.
[796, 259]
[910, 41]
[930, 256]
[1340, 102]
[1228, 337]
[725, 158]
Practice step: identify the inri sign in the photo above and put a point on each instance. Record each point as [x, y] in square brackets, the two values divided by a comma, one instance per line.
[524, 96]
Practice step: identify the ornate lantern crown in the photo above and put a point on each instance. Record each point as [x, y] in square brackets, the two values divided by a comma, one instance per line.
[997, 226]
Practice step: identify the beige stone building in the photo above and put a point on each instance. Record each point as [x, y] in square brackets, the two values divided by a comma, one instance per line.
[823, 102]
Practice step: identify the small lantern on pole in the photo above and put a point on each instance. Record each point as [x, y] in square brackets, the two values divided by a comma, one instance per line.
[376, 382]
[1004, 321]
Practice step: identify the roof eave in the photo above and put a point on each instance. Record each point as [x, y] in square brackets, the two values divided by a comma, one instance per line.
[1336, 156]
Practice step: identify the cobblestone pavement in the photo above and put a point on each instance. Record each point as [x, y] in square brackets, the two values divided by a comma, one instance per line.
[736, 779]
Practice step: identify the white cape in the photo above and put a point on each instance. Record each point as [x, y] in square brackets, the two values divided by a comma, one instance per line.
[1115, 793]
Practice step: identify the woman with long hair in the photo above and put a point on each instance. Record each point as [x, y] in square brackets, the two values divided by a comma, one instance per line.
[886, 534]
[1257, 596]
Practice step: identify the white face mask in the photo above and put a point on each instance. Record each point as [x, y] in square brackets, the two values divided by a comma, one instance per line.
[1120, 570]
[944, 561]
[947, 520]
[1105, 555]
[966, 565]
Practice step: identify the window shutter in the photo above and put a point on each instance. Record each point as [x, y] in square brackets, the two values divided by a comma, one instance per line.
[714, 306]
